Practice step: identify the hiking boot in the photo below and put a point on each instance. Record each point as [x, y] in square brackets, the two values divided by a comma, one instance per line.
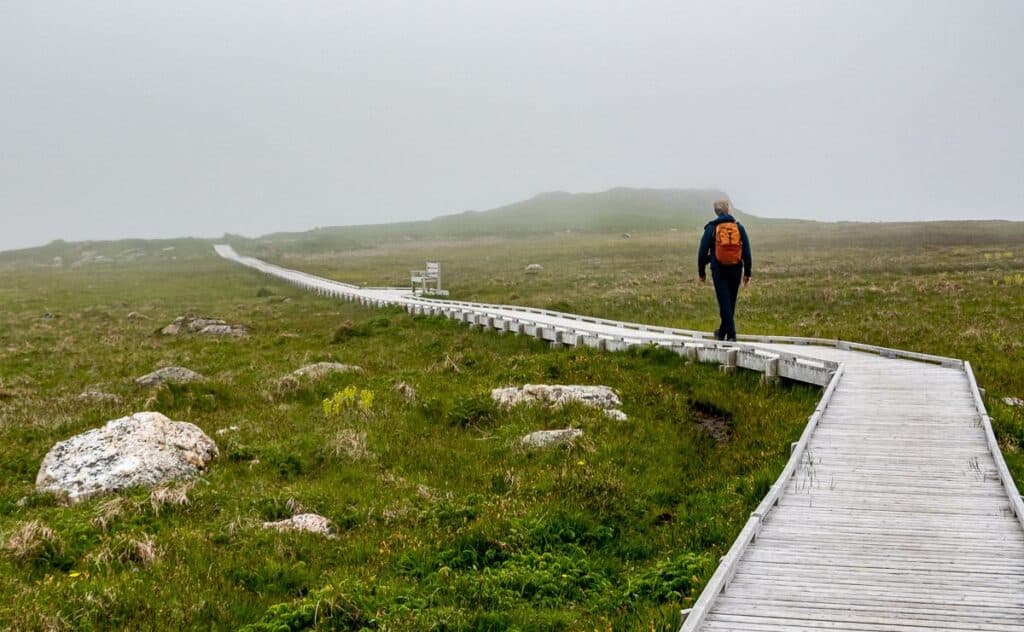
[730, 338]
[719, 335]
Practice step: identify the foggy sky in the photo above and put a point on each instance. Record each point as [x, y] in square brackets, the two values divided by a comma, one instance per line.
[194, 118]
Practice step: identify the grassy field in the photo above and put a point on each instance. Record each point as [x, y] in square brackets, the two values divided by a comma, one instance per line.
[443, 523]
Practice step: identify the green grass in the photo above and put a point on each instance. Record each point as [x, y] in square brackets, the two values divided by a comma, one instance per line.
[444, 523]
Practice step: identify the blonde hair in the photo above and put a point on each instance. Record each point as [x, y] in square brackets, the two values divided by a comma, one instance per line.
[722, 207]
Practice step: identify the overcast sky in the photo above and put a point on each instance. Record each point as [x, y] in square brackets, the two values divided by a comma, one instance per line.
[148, 119]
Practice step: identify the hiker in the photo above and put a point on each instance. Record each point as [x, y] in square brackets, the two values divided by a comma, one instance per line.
[726, 247]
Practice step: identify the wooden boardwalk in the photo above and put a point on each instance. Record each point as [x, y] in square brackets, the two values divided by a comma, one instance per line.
[895, 512]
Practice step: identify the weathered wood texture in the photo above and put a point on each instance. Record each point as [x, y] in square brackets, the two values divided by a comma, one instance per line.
[895, 511]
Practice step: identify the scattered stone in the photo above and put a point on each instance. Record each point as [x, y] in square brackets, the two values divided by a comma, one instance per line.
[173, 329]
[198, 324]
[143, 449]
[406, 391]
[617, 415]
[203, 326]
[137, 316]
[555, 395]
[1013, 401]
[175, 374]
[222, 330]
[320, 370]
[626, 236]
[351, 443]
[428, 493]
[549, 438]
[534, 268]
[99, 397]
[308, 522]
[224, 431]
[48, 316]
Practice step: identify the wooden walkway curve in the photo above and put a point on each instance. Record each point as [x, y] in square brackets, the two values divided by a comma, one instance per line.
[894, 512]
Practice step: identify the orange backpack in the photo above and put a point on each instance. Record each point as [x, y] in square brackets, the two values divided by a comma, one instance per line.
[728, 244]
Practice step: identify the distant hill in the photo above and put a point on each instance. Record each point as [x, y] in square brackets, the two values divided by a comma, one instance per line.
[616, 210]
[613, 211]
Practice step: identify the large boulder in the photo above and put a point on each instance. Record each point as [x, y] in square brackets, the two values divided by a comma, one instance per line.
[549, 438]
[556, 395]
[143, 449]
[175, 374]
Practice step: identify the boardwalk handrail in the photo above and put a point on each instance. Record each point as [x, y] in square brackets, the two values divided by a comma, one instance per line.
[1016, 504]
[837, 343]
[727, 566]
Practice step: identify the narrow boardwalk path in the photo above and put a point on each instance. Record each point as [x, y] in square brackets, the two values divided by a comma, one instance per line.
[896, 511]
[896, 518]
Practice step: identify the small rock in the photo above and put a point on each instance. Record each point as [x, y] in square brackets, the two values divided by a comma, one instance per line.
[98, 396]
[224, 431]
[175, 374]
[406, 391]
[308, 522]
[143, 449]
[48, 316]
[204, 326]
[555, 395]
[534, 268]
[626, 236]
[198, 324]
[548, 438]
[171, 330]
[222, 330]
[617, 415]
[322, 369]
[1013, 401]
[136, 316]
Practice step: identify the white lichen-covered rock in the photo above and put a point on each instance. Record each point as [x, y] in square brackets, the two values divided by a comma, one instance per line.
[556, 395]
[549, 438]
[323, 369]
[308, 522]
[99, 397]
[175, 374]
[143, 449]
[203, 326]
[1013, 401]
[616, 414]
[406, 391]
[198, 324]
[222, 330]
[534, 268]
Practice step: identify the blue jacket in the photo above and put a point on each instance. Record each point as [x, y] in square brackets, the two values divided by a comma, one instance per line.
[706, 254]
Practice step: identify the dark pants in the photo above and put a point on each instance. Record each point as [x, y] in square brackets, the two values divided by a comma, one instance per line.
[727, 288]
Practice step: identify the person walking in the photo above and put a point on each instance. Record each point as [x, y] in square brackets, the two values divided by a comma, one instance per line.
[725, 246]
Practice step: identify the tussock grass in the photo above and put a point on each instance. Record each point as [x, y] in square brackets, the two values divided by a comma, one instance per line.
[442, 521]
